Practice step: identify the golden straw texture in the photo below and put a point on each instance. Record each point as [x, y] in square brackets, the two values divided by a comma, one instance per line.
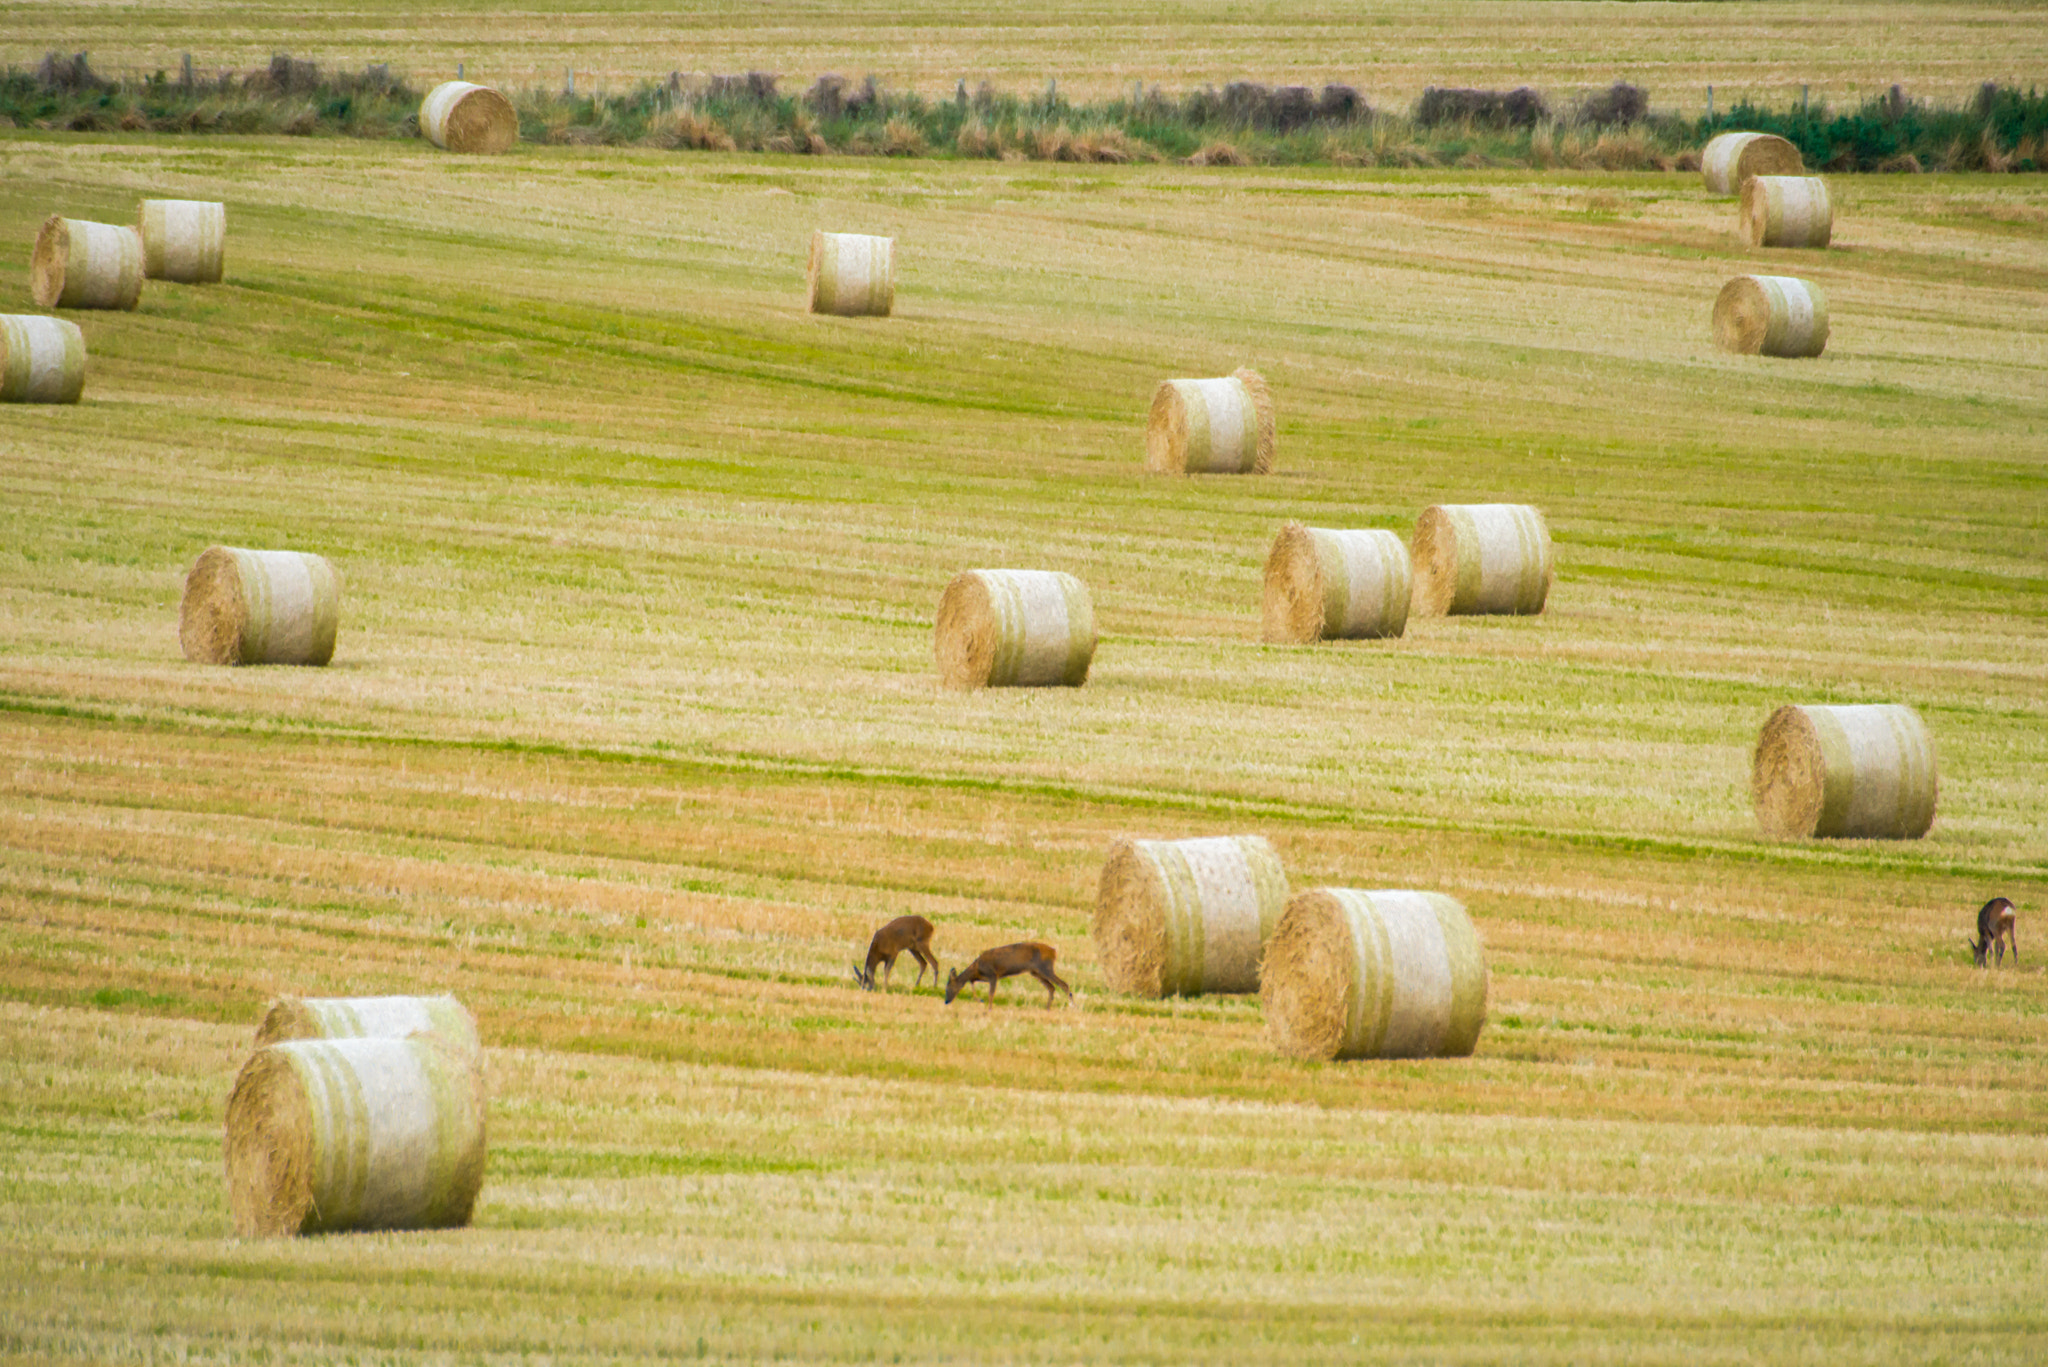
[182, 239]
[1219, 426]
[1004, 628]
[445, 1018]
[1771, 315]
[1481, 558]
[326, 1135]
[1786, 211]
[1388, 974]
[42, 360]
[81, 265]
[1732, 158]
[1331, 585]
[246, 607]
[1187, 917]
[462, 116]
[852, 275]
[1862, 772]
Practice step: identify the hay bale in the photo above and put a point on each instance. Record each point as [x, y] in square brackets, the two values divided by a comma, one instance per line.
[81, 265]
[1323, 584]
[1220, 426]
[326, 1135]
[1185, 917]
[182, 239]
[1786, 211]
[852, 275]
[1771, 315]
[1730, 159]
[1481, 558]
[1863, 772]
[1015, 628]
[260, 608]
[42, 360]
[1389, 974]
[465, 117]
[444, 1018]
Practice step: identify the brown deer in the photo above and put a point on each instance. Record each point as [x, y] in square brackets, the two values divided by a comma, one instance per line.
[1994, 930]
[913, 933]
[994, 965]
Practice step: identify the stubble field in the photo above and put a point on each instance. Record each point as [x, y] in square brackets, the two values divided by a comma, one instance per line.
[633, 735]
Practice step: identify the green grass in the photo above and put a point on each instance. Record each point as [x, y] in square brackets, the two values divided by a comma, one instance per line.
[632, 737]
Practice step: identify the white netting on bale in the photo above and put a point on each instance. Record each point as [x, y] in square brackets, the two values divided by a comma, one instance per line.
[1187, 917]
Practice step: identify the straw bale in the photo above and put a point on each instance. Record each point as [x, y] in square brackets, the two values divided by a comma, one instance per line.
[1387, 974]
[42, 360]
[1786, 211]
[851, 274]
[327, 1135]
[1861, 772]
[82, 265]
[247, 607]
[1186, 917]
[465, 117]
[1730, 159]
[444, 1018]
[1323, 584]
[182, 239]
[1219, 426]
[1015, 628]
[1771, 315]
[1481, 558]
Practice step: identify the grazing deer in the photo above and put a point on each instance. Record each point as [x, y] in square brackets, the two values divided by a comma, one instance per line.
[913, 933]
[1994, 930]
[994, 965]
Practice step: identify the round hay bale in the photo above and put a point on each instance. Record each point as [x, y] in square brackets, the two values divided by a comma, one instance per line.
[463, 116]
[1323, 584]
[1220, 426]
[182, 239]
[852, 275]
[42, 360]
[81, 265]
[1481, 558]
[1391, 974]
[326, 1135]
[444, 1018]
[1864, 772]
[1015, 628]
[1786, 211]
[1771, 315]
[260, 608]
[1732, 158]
[1185, 917]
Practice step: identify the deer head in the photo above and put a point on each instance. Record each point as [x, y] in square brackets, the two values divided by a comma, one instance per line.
[864, 978]
[1978, 949]
[952, 985]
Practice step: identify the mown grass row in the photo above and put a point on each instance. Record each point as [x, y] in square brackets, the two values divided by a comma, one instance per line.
[1244, 123]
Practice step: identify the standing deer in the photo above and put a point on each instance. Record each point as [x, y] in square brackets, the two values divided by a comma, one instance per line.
[913, 933]
[994, 965]
[1994, 931]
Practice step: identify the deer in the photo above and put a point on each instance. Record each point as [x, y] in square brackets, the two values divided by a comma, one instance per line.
[994, 965]
[1994, 931]
[913, 933]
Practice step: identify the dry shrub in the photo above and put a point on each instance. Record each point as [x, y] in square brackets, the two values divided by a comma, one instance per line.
[1481, 558]
[42, 360]
[74, 73]
[689, 128]
[1908, 163]
[1214, 426]
[1382, 974]
[902, 138]
[327, 1135]
[244, 607]
[1517, 108]
[1015, 628]
[1187, 917]
[1771, 315]
[1862, 772]
[1624, 151]
[975, 139]
[1219, 154]
[1620, 103]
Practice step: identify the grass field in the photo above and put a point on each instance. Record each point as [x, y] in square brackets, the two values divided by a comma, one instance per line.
[633, 735]
[1768, 52]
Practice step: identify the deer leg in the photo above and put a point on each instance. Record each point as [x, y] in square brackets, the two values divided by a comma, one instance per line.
[992, 990]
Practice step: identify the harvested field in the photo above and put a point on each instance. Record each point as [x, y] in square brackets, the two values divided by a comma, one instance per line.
[632, 736]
